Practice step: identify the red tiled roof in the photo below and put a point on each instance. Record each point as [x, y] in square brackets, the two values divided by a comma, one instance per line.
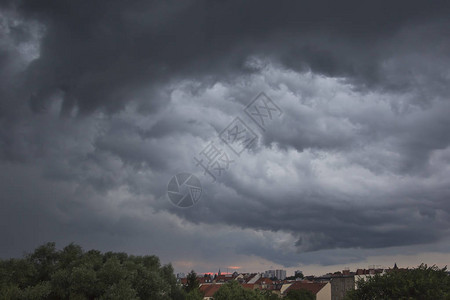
[204, 279]
[266, 281]
[201, 280]
[208, 290]
[224, 278]
[314, 287]
[248, 285]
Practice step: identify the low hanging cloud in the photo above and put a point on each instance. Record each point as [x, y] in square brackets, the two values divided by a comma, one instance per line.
[102, 103]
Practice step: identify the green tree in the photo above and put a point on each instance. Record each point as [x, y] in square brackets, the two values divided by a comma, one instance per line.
[268, 295]
[10, 292]
[172, 288]
[19, 272]
[74, 274]
[70, 256]
[60, 282]
[147, 283]
[111, 271]
[93, 258]
[194, 295]
[40, 291]
[192, 282]
[44, 259]
[84, 282]
[300, 295]
[119, 291]
[422, 282]
[232, 290]
[297, 275]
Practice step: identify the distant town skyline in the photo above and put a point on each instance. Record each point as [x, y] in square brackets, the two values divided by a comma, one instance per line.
[317, 270]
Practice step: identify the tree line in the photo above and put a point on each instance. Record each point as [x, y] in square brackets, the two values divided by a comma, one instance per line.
[72, 273]
[75, 274]
[423, 282]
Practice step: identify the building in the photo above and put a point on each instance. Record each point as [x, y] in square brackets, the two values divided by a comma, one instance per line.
[341, 285]
[269, 274]
[322, 290]
[224, 278]
[208, 290]
[364, 274]
[254, 278]
[279, 274]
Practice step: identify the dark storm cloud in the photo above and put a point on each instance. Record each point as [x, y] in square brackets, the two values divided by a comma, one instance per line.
[328, 222]
[103, 101]
[103, 53]
[397, 158]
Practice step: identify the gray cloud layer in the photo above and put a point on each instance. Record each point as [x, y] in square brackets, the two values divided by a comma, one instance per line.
[102, 103]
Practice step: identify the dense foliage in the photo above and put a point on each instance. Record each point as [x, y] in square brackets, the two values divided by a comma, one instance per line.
[232, 290]
[294, 277]
[192, 287]
[422, 282]
[72, 273]
[192, 282]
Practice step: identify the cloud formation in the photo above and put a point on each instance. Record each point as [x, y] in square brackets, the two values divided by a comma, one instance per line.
[102, 103]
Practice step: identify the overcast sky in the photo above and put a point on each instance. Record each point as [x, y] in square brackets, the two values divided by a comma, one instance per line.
[102, 102]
